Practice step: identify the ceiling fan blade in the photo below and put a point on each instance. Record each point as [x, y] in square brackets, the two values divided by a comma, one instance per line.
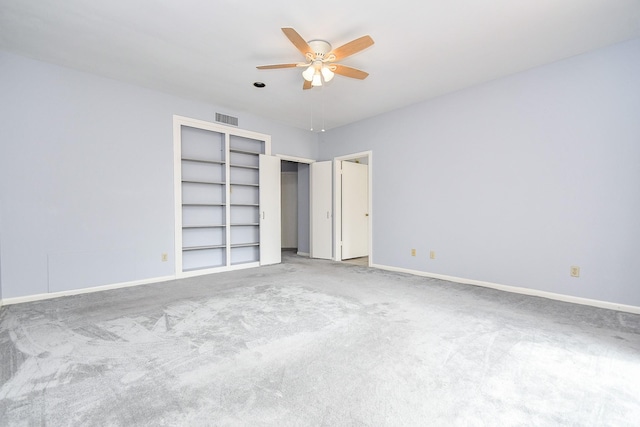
[343, 70]
[306, 85]
[273, 67]
[297, 41]
[352, 47]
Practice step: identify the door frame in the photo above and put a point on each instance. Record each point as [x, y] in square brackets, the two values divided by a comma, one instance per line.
[337, 202]
[295, 159]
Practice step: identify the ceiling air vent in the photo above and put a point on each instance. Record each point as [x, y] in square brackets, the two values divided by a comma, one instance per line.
[227, 120]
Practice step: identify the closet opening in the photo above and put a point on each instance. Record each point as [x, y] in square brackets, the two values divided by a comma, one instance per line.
[295, 205]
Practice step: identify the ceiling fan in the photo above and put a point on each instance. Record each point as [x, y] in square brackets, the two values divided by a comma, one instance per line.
[319, 64]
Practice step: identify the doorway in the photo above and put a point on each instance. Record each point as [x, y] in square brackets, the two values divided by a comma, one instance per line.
[289, 205]
[295, 205]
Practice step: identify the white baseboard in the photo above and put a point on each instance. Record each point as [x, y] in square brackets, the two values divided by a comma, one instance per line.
[39, 297]
[518, 290]
[303, 254]
[506, 288]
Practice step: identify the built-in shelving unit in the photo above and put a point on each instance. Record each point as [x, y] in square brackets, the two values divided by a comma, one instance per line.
[217, 196]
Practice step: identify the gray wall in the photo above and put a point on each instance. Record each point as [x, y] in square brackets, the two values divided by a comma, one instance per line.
[514, 181]
[86, 176]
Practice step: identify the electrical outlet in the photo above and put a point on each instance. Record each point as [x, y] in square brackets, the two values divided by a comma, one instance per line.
[165, 257]
[413, 252]
[432, 254]
[575, 271]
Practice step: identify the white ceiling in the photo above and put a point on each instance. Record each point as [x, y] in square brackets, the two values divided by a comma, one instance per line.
[208, 50]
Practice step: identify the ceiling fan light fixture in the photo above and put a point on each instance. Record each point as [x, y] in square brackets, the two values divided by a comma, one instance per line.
[308, 73]
[317, 80]
[327, 74]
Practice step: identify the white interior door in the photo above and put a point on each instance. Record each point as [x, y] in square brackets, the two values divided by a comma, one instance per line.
[355, 206]
[289, 207]
[321, 207]
[270, 246]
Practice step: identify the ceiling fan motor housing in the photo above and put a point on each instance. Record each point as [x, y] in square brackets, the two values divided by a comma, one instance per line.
[320, 48]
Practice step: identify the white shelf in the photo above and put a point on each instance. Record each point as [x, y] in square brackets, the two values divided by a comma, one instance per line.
[244, 245]
[237, 150]
[201, 248]
[213, 162]
[190, 181]
[244, 167]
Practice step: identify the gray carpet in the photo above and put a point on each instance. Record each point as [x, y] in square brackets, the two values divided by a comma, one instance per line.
[316, 343]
